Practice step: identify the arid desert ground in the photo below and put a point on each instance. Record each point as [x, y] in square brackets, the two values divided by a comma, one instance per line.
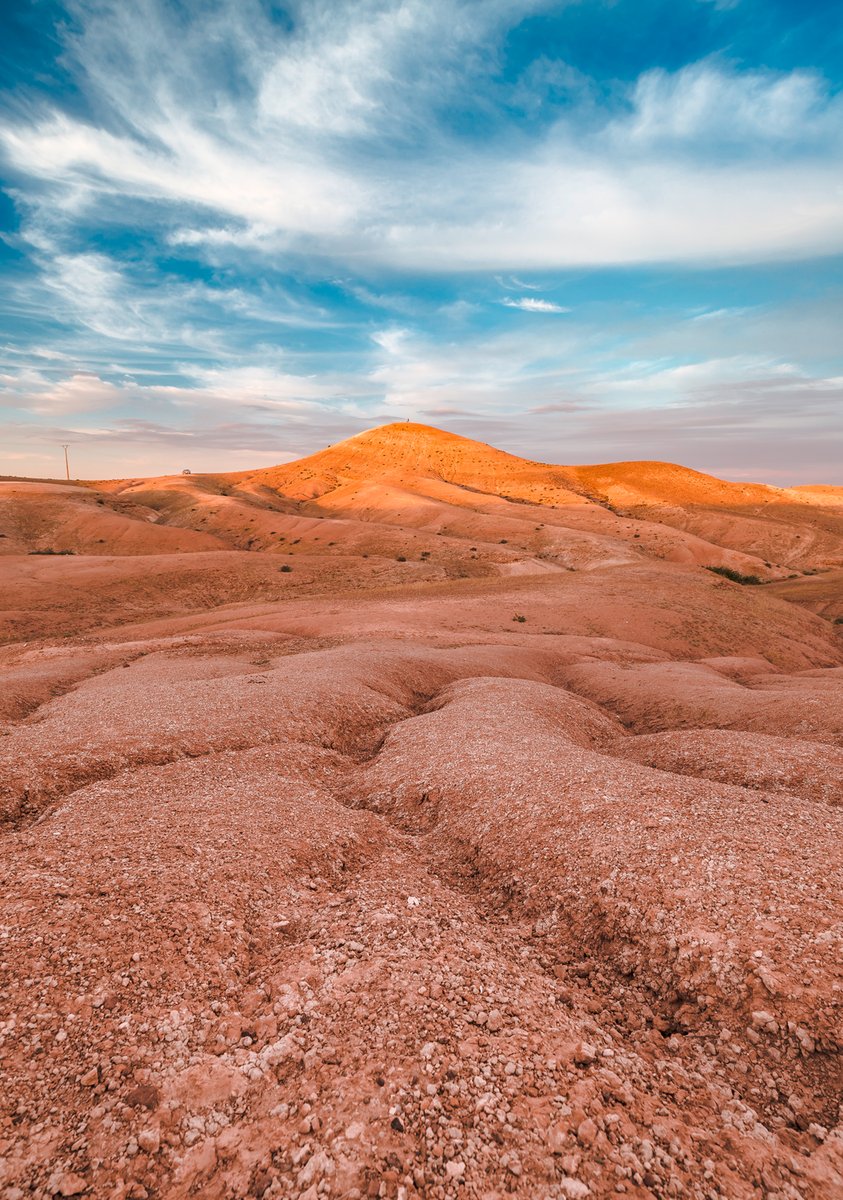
[413, 820]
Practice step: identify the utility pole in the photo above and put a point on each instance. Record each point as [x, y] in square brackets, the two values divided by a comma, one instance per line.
[66, 463]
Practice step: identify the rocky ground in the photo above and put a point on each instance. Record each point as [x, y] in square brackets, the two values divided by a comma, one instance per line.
[484, 884]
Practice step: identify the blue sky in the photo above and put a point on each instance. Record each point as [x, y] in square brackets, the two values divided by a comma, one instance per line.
[234, 231]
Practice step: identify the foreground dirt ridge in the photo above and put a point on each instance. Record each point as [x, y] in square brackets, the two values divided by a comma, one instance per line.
[344, 883]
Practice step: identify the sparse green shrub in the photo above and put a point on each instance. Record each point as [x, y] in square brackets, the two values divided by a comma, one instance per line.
[519, 618]
[285, 569]
[401, 558]
[52, 551]
[736, 576]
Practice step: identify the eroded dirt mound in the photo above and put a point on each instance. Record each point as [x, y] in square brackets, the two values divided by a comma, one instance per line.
[790, 766]
[284, 917]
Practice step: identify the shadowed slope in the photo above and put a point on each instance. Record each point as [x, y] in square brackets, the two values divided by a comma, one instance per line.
[36, 518]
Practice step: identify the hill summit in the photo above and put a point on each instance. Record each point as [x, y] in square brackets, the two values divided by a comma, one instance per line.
[404, 450]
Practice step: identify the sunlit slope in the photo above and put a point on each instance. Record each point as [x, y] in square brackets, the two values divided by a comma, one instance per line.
[410, 452]
[782, 527]
[410, 492]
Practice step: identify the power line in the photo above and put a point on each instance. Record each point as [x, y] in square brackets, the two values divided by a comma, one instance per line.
[66, 462]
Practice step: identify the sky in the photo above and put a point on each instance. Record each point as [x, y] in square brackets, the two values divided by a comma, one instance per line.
[235, 231]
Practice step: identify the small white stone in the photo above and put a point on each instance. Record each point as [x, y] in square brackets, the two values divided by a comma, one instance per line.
[574, 1189]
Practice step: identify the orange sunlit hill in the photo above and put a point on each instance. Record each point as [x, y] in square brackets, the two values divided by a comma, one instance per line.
[418, 818]
[389, 491]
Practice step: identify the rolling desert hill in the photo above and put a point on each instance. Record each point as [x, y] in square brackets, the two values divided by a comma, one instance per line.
[414, 820]
[445, 506]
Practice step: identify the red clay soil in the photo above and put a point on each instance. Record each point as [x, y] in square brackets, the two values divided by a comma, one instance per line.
[493, 849]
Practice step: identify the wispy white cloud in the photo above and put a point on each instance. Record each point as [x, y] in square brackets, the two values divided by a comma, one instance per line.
[707, 104]
[417, 374]
[513, 284]
[337, 147]
[81, 393]
[534, 305]
[719, 314]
